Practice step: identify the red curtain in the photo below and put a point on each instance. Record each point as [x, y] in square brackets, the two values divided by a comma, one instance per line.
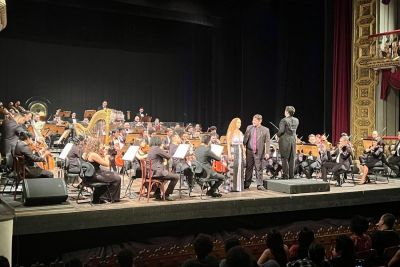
[389, 78]
[341, 68]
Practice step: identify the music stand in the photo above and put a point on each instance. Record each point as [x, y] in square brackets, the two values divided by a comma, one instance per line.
[65, 114]
[130, 155]
[180, 153]
[64, 154]
[89, 113]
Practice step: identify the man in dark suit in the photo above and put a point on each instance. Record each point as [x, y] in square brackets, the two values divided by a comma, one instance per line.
[104, 105]
[287, 142]
[256, 139]
[385, 236]
[10, 130]
[204, 155]
[22, 149]
[160, 171]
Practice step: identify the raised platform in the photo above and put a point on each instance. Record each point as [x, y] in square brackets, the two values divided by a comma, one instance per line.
[297, 186]
[72, 216]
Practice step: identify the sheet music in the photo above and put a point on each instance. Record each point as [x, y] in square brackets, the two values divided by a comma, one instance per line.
[181, 151]
[65, 151]
[217, 149]
[130, 153]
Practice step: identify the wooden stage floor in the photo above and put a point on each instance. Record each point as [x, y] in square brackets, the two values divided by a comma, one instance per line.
[73, 216]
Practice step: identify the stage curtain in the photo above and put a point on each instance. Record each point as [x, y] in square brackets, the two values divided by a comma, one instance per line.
[389, 78]
[342, 20]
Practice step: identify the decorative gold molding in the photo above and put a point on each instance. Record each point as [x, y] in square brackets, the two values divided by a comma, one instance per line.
[364, 79]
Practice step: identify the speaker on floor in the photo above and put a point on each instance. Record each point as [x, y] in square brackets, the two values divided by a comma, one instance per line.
[44, 191]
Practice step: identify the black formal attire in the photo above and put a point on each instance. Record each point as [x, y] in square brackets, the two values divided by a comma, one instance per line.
[166, 142]
[106, 177]
[394, 160]
[373, 158]
[73, 159]
[204, 156]
[10, 130]
[287, 144]
[156, 155]
[338, 162]
[22, 149]
[384, 239]
[257, 141]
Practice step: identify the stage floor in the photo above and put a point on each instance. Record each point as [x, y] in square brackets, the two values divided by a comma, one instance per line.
[73, 216]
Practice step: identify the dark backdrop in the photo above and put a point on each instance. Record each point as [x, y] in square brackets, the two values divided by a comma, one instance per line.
[204, 61]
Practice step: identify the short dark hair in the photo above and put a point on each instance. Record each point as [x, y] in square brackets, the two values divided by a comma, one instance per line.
[359, 225]
[125, 258]
[388, 220]
[24, 135]
[155, 141]
[291, 110]
[231, 242]
[345, 246]
[205, 138]
[203, 245]
[4, 262]
[239, 257]
[316, 253]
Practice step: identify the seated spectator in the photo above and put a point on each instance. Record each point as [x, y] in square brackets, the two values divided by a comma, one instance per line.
[315, 258]
[203, 246]
[359, 227]
[4, 262]
[300, 250]
[229, 243]
[343, 252]
[276, 250]
[385, 236]
[125, 258]
[239, 257]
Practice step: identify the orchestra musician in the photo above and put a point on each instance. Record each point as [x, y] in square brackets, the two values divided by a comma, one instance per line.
[24, 148]
[75, 154]
[204, 156]
[214, 139]
[156, 156]
[12, 109]
[104, 105]
[73, 119]
[287, 141]
[141, 114]
[4, 111]
[18, 106]
[146, 137]
[394, 160]
[10, 130]
[127, 129]
[339, 160]
[97, 156]
[137, 122]
[256, 140]
[168, 139]
[372, 157]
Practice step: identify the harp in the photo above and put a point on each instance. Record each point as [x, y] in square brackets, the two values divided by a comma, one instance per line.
[100, 124]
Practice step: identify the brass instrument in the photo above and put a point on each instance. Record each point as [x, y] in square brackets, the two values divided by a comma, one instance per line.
[3, 15]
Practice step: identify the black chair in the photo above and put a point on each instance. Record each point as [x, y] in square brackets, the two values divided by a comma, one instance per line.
[71, 175]
[203, 179]
[86, 176]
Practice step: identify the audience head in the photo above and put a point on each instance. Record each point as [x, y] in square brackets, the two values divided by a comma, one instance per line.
[203, 245]
[125, 258]
[386, 222]
[316, 253]
[231, 242]
[306, 237]
[344, 248]
[4, 262]
[275, 243]
[238, 257]
[359, 225]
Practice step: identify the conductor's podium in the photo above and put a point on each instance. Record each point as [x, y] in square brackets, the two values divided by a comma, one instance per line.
[297, 186]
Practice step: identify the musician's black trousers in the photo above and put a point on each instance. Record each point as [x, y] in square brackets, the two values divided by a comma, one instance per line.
[288, 166]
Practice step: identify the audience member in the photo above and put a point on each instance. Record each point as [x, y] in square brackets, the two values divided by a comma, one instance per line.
[395, 260]
[203, 246]
[359, 227]
[125, 258]
[239, 257]
[276, 250]
[343, 252]
[300, 250]
[315, 258]
[4, 262]
[385, 236]
[229, 243]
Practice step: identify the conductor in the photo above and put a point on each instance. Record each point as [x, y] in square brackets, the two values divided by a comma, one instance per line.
[287, 141]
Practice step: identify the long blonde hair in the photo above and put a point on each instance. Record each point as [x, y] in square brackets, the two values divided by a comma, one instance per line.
[92, 144]
[231, 129]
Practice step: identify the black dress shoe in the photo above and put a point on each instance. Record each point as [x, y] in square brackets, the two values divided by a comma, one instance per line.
[261, 188]
[213, 194]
